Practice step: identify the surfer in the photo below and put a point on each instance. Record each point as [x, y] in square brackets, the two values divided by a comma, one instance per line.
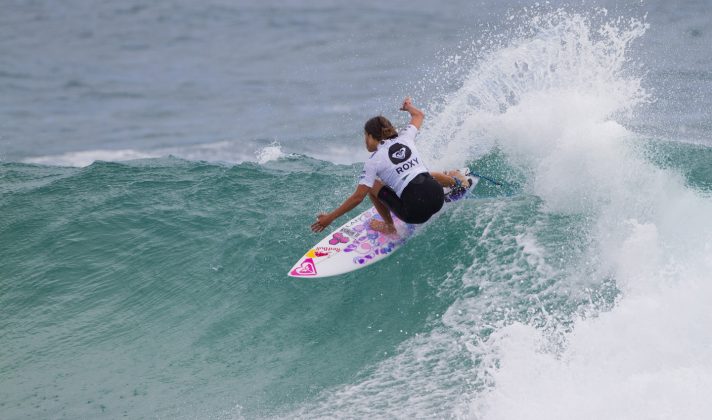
[395, 177]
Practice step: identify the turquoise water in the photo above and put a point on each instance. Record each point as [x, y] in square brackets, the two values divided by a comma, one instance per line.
[143, 271]
[173, 273]
[131, 288]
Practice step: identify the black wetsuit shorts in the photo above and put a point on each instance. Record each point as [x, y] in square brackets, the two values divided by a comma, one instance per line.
[421, 198]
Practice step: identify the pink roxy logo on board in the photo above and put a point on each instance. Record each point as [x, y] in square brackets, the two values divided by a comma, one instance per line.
[306, 268]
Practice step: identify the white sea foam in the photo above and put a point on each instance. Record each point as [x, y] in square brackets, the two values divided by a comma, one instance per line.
[650, 355]
[87, 157]
[223, 151]
[269, 153]
[551, 100]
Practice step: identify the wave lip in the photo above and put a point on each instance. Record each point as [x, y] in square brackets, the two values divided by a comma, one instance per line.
[231, 152]
[87, 157]
[223, 151]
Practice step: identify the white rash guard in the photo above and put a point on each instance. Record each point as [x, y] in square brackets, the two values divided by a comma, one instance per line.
[396, 162]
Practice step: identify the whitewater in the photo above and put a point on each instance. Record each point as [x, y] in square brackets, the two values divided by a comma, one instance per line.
[150, 282]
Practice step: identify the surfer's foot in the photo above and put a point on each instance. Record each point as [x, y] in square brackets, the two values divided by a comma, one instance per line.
[459, 175]
[383, 227]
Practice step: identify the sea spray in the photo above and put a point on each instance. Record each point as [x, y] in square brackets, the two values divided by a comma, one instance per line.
[545, 54]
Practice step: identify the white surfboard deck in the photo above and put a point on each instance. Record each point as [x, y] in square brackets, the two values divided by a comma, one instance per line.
[355, 245]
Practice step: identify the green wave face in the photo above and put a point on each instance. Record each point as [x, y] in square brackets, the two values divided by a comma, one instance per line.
[126, 287]
[154, 278]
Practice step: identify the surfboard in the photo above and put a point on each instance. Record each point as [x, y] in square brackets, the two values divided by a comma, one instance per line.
[355, 245]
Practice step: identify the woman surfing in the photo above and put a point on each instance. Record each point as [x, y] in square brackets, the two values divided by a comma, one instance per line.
[395, 176]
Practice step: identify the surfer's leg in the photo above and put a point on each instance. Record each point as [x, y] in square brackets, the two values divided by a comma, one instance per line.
[447, 179]
[387, 225]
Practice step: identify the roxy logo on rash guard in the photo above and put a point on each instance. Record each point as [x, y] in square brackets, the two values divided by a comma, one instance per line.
[398, 153]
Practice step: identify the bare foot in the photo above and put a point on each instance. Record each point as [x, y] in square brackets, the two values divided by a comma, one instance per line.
[383, 227]
[457, 174]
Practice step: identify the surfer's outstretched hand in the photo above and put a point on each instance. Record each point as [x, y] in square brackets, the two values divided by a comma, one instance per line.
[322, 221]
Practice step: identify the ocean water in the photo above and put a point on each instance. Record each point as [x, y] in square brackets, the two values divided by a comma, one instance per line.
[160, 165]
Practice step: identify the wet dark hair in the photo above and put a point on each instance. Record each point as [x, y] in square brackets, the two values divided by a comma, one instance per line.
[380, 128]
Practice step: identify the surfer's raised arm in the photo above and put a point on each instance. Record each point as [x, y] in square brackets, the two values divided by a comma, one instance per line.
[416, 115]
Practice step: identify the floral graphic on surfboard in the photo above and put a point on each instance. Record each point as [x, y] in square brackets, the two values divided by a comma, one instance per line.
[338, 238]
[371, 243]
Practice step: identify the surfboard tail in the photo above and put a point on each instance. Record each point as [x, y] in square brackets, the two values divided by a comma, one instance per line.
[456, 193]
